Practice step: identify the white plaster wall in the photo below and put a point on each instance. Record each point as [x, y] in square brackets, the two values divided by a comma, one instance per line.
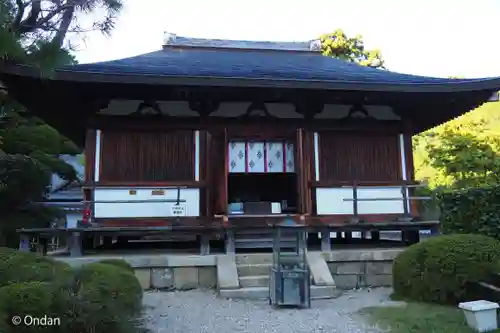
[330, 201]
[147, 209]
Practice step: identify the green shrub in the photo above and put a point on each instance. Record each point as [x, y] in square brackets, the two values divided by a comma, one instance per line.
[474, 210]
[95, 298]
[99, 298]
[438, 269]
[23, 299]
[116, 288]
[18, 267]
[118, 263]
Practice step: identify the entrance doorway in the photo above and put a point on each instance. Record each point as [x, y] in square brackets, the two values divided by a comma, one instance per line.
[261, 178]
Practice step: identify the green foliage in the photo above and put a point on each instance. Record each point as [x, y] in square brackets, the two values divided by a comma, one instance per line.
[437, 270]
[461, 153]
[419, 318]
[33, 33]
[112, 287]
[22, 179]
[352, 49]
[118, 263]
[26, 299]
[95, 298]
[473, 210]
[20, 267]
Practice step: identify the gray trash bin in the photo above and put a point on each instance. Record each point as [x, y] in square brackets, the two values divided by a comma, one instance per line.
[290, 282]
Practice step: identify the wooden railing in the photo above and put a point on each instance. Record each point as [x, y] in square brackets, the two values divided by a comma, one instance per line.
[405, 186]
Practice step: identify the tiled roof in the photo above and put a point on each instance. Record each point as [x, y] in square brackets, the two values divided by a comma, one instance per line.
[268, 62]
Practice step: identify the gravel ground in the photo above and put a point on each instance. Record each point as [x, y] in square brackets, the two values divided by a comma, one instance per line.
[203, 312]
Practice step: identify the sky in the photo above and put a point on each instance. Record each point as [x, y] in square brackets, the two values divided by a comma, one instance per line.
[425, 37]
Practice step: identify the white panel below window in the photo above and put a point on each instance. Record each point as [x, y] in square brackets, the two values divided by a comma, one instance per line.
[191, 206]
[330, 201]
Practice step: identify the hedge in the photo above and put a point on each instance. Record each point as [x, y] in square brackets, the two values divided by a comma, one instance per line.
[22, 299]
[18, 267]
[117, 288]
[439, 269]
[118, 263]
[94, 298]
[475, 210]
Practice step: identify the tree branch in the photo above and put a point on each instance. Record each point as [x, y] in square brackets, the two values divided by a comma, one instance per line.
[66, 20]
[29, 24]
[19, 16]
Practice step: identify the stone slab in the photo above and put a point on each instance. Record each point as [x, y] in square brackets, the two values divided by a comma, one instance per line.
[362, 255]
[162, 278]
[379, 267]
[348, 281]
[207, 277]
[347, 268]
[319, 269]
[149, 261]
[227, 273]
[144, 277]
[378, 280]
[185, 278]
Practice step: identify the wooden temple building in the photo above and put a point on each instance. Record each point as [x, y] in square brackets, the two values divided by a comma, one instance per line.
[221, 139]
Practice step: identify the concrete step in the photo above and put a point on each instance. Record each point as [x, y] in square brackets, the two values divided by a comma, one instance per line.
[258, 269]
[254, 281]
[254, 259]
[258, 293]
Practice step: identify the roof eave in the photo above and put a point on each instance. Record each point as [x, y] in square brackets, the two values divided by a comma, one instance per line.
[492, 84]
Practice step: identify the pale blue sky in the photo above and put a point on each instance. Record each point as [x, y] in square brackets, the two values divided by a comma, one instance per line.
[425, 37]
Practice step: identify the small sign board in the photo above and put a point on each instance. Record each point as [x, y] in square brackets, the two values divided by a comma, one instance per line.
[178, 210]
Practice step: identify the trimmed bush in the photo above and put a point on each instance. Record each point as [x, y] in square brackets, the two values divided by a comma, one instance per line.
[438, 269]
[111, 287]
[18, 267]
[118, 263]
[474, 210]
[22, 299]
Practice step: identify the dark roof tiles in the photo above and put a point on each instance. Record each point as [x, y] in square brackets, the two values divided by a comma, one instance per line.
[269, 62]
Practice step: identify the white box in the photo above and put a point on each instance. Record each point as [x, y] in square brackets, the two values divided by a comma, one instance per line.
[481, 315]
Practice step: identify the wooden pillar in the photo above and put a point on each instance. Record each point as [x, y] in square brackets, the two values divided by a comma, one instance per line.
[41, 245]
[204, 245]
[326, 245]
[75, 244]
[230, 245]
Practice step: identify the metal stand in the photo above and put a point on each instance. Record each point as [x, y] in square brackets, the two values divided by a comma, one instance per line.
[290, 281]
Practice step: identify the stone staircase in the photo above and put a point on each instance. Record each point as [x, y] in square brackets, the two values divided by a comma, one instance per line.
[253, 276]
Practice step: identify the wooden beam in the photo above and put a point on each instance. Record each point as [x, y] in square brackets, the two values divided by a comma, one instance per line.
[144, 123]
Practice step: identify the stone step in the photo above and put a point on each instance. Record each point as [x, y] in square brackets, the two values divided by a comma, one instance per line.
[254, 281]
[258, 293]
[258, 269]
[254, 259]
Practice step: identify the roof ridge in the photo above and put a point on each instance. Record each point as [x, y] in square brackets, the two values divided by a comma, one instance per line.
[173, 40]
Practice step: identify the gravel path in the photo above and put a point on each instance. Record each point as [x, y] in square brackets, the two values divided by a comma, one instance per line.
[203, 312]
